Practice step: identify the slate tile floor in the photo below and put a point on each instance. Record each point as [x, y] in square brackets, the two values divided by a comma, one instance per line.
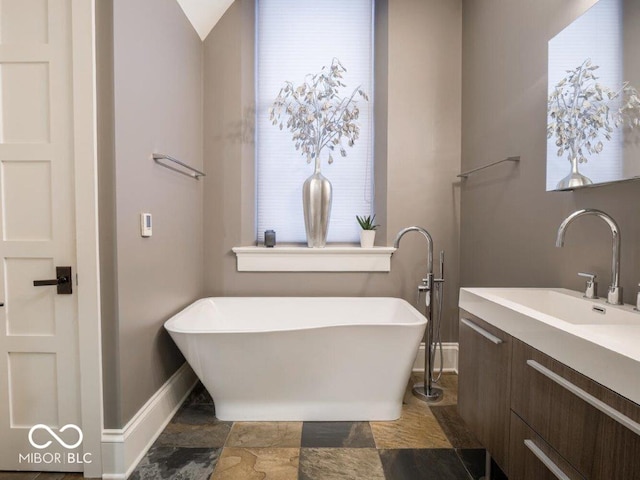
[427, 442]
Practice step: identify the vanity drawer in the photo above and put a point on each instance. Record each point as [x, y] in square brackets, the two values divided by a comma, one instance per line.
[483, 384]
[531, 458]
[573, 414]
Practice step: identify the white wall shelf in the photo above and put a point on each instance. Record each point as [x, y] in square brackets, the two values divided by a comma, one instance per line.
[304, 259]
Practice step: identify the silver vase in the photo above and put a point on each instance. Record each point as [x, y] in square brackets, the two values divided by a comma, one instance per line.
[316, 203]
[575, 179]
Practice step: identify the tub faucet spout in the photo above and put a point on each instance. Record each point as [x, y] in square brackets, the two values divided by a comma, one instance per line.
[401, 233]
[614, 296]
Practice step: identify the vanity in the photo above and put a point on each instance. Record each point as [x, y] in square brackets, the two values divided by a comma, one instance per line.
[549, 382]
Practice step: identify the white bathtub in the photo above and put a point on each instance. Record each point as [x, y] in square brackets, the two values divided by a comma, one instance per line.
[301, 358]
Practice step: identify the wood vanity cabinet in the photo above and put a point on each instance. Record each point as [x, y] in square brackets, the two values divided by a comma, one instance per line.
[530, 456]
[556, 419]
[483, 384]
[557, 402]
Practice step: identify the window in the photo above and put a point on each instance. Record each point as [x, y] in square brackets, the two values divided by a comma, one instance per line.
[293, 39]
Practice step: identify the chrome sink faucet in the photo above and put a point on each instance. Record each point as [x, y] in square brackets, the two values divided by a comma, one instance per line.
[614, 295]
[591, 286]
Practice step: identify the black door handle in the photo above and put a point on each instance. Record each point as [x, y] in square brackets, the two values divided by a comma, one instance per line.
[62, 280]
[43, 283]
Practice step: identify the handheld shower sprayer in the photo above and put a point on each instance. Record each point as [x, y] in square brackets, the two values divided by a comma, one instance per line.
[437, 339]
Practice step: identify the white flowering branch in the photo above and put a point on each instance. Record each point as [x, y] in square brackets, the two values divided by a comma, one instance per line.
[317, 115]
[581, 109]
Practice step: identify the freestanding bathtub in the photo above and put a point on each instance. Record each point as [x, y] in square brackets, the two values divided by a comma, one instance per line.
[314, 359]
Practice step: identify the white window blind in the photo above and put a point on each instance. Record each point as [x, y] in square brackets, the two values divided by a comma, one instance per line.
[293, 39]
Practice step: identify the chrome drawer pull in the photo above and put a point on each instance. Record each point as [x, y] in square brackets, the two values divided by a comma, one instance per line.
[481, 331]
[553, 468]
[590, 399]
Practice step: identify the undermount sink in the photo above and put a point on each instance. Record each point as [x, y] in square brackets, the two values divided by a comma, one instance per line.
[565, 305]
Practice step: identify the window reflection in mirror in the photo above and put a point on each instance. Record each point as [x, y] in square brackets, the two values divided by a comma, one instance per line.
[593, 117]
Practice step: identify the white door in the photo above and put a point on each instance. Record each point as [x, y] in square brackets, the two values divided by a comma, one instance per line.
[39, 371]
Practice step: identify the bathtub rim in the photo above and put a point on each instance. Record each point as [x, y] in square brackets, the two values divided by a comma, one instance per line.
[169, 324]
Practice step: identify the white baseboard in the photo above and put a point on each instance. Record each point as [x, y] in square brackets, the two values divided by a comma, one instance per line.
[122, 449]
[449, 358]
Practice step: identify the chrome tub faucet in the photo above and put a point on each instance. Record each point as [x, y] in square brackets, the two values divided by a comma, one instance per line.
[614, 295]
[428, 280]
[426, 391]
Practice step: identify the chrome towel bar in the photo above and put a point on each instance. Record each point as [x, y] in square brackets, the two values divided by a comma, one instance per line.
[509, 159]
[192, 172]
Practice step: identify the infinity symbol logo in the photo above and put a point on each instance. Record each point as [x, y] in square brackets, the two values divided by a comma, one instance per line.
[52, 433]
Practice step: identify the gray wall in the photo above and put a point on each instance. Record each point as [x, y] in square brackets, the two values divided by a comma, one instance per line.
[150, 61]
[417, 152]
[509, 222]
[107, 212]
[151, 98]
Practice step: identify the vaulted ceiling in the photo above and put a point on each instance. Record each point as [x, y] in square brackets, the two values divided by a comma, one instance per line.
[204, 14]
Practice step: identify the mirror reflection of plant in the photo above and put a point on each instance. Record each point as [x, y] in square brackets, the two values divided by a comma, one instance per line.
[317, 115]
[581, 109]
[630, 116]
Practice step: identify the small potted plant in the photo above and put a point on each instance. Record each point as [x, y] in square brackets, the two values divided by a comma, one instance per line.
[368, 233]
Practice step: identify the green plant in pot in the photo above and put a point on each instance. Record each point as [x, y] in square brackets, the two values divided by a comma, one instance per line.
[368, 232]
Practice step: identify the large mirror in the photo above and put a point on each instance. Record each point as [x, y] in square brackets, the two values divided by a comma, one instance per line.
[593, 114]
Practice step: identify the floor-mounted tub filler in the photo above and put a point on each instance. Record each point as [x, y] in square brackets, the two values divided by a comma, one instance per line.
[302, 359]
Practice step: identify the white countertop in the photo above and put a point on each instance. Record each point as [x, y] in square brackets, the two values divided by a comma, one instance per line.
[563, 325]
